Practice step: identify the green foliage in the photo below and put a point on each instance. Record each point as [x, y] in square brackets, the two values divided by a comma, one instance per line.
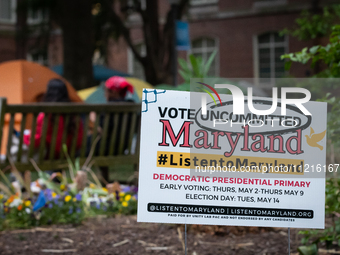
[128, 203]
[308, 250]
[332, 196]
[195, 67]
[64, 202]
[328, 55]
[331, 234]
[64, 208]
[61, 210]
[311, 26]
[333, 125]
[18, 217]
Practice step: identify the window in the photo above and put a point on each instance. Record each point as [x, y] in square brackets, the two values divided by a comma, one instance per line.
[135, 67]
[36, 16]
[270, 47]
[268, 3]
[204, 47]
[199, 7]
[38, 56]
[7, 11]
[203, 2]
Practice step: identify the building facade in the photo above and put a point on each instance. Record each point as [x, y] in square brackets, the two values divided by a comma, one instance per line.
[245, 33]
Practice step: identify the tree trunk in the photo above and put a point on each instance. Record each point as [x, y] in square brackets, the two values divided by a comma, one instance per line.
[77, 42]
[21, 30]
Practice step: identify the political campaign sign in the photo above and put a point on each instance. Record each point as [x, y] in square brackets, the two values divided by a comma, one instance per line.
[203, 163]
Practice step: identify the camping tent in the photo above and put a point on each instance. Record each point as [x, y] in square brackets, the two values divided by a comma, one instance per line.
[21, 82]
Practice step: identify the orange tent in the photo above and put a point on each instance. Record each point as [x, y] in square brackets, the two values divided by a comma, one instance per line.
[21, 82]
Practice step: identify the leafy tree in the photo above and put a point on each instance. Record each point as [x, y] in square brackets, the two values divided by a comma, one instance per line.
[312, 24]
[111, 21]
[327, 56]
[75, 19]
[89, 24]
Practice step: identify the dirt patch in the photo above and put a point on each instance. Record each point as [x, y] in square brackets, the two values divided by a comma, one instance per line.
[123, 235]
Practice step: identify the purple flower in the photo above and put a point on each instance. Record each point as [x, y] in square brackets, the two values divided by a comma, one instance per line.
[93, 203]
[136, 196]
[50, 205]
[48, 194]
[78, 210]
[78, 197]
[126, 189]
[70, 211]
[98, 206]
[135, 189]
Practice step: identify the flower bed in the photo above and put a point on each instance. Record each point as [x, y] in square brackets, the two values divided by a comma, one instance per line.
[64, 206]
[61, 197]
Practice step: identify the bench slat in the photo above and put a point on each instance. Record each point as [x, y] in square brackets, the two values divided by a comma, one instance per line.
[54, 137]
[43, 139]
[122, 134]
[78, 107]
[3, 108]
[104, 135]
[32, 139]
[95, 129]
[10, 133]
[132, 131]
[21, 137]
[63, 139]
[75, 137]
[84, 141]
[112, 149]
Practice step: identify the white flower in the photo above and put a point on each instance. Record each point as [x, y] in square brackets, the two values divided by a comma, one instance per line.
[16, 202]
[35, 186]
[28, 210]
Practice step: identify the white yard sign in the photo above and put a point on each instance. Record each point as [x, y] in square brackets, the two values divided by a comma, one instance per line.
[226, 169]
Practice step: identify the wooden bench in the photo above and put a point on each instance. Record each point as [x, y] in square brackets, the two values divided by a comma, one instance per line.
[24, 116]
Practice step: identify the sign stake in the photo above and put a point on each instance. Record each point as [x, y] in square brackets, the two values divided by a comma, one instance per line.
[185, 238]
[288, 241]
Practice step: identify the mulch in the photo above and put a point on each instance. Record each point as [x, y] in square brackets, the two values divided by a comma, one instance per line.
[123, 235]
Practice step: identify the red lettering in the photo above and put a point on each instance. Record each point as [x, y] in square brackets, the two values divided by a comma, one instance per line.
[298, 143]
[174, 139]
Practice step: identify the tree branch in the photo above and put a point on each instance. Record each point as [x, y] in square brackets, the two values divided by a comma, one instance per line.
[168, 29]
[124, 30]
